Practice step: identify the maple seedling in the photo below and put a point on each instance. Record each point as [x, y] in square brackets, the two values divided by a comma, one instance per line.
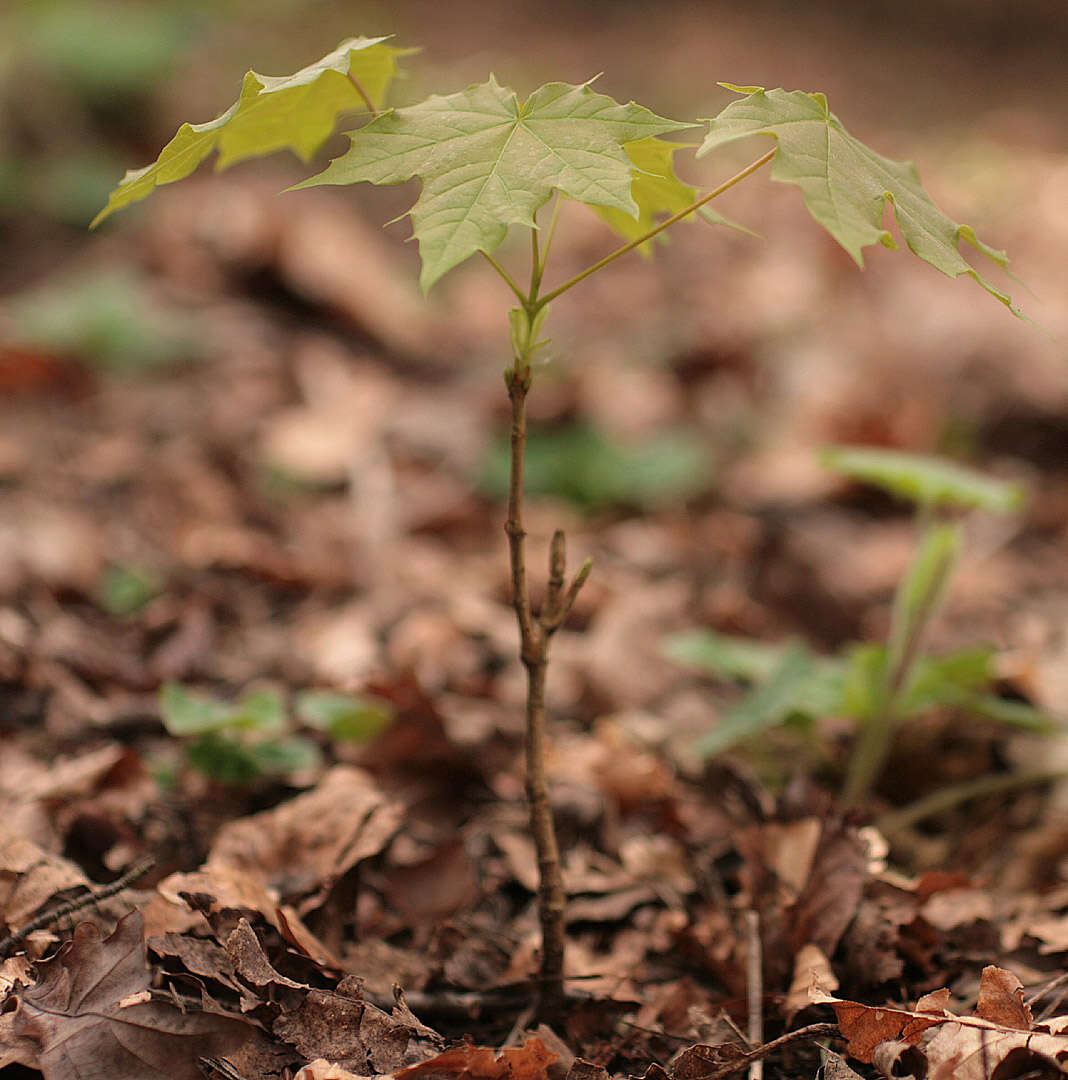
[489, 162]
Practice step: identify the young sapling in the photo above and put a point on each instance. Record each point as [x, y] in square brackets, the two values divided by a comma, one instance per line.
[487, 163]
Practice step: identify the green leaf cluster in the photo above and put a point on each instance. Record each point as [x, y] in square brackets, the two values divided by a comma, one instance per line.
[791, 685]
[877, 686]
[488, 161]
[108, 320]
[124, 589]
[252, 738]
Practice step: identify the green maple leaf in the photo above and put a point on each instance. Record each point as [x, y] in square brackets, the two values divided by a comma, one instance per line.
[846, 184]
[654, 188]
[487, 162]
[288, 112]
[658, 191]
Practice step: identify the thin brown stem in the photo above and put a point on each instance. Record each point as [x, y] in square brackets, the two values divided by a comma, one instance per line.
[535, 633]
[518, 388]
[550, 875]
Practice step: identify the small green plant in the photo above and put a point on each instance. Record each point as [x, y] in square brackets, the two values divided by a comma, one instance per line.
[591, 470]
[125, 590]
[252, 739]
[489, 162]
[877, 686]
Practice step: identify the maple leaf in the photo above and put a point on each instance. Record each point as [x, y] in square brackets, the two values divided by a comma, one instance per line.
[657, 190]
[90, 1015]
[845, 184]
[654, 187]
[289, 112]
[487, 162]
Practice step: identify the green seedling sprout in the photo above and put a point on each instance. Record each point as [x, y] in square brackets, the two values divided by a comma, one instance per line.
[937, 488]
[877, 686]
[489, 162]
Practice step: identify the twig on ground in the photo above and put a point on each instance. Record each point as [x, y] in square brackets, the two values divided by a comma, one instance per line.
[220, 1067]
[1045, 991]
[91, 899]
[758, 1053]
[754, 962]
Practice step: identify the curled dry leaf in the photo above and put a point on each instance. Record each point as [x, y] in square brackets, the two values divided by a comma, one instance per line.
[90, 1015]
[1001, 1000]
[811, 968]
[297, 850]
[932, 1041]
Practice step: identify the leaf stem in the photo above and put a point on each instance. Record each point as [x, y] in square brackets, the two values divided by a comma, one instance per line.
[537, 268]
[666, 224]
[918, 597]
[550, 234]
[371, 107]
[508, 279]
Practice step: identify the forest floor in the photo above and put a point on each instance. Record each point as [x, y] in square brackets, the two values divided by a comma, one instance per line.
[244, 465]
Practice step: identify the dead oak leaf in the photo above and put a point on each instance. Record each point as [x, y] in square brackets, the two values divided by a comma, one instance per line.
[89, 1016]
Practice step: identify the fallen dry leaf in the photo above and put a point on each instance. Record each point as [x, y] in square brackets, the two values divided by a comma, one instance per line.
[900, 1041]
[29, 877]
[298, 850]
[348, 1031]
[527, 1062]
[90, 1015]
[961, 1051]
